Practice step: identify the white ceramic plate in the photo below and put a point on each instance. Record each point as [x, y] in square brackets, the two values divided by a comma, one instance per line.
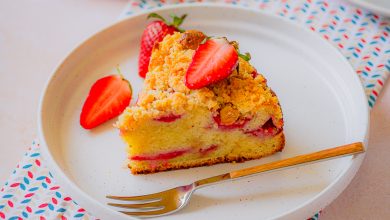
[322, 99]
[381, 7]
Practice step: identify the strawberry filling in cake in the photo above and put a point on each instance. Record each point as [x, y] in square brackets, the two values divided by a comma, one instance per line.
[201, 104]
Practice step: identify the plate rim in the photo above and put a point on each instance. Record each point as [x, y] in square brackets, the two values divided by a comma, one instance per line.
[83, 198]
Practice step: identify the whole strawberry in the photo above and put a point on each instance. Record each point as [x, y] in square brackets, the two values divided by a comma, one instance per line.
[155, 32]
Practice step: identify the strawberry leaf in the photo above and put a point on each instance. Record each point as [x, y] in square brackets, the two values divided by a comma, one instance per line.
[245, 56]
[155, 15]
[177, 21]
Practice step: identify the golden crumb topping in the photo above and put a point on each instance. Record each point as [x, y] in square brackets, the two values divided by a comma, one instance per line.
[191, 39]
[240, 95]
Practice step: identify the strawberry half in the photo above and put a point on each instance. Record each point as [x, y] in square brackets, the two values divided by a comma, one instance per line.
[108, 97]
[155, 32]
[213, 61]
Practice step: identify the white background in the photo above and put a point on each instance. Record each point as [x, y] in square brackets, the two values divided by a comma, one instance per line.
[36, 35]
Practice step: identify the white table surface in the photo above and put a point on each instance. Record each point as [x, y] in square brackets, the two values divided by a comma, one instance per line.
[36, 35]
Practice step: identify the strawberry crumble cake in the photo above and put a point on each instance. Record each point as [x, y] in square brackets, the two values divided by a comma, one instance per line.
[184, 119]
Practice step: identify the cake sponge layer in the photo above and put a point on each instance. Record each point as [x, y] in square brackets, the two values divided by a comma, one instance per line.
[240, 154]
[193, 139]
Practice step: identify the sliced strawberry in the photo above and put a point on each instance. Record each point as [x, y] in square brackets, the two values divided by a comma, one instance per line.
[108, 97]
[168, 118]
[267, 130]
[155, 32]
[213, 61]
[207, 150]
[162, 156]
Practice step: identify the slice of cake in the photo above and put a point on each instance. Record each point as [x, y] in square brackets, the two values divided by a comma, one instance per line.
[183, 121]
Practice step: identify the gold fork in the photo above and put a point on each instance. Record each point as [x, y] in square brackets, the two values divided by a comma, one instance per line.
[172, 200]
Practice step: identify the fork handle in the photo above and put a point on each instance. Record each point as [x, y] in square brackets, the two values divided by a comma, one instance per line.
[341, 151]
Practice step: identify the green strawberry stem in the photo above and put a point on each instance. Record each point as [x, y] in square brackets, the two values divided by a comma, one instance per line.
[176, 21]
[118, 69]
[155, 15]
[245, 56]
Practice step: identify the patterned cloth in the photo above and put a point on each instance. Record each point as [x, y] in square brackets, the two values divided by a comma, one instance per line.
[31, 193]
[362, 37]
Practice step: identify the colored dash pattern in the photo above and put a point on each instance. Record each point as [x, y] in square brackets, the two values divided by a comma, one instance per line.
[361, 36]
[31, 193]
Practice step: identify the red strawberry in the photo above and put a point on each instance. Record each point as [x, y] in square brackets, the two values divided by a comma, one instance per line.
[213, 61]
[155, 32]
[108, 97]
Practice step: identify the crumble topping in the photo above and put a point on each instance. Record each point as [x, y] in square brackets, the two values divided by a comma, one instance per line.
[237, 97]
[191, 39]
